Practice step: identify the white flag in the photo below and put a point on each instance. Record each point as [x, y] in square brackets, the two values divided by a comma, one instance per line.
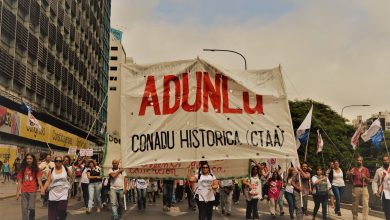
[320, 142]
[304, 129]
[373, 130]
[355, 138]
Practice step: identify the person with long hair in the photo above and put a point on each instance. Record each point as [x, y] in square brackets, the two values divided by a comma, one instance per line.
[84, 182]
[58, 185]
[252, 193]
[289, 190]
[207, 184]
[28, 177]
[95, 186]
[275, 184]
[338, 185]
[321, 188]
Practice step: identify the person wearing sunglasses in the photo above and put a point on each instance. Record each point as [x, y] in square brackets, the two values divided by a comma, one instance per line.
[58, 184]
[95, 186]
[207, 184]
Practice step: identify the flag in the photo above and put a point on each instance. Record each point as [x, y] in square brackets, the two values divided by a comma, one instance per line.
[377, 139]
[31, 120]
[320, 142]
[373, 130]
[374, 133]
[355, 138]
[304, 129]
[25, 107]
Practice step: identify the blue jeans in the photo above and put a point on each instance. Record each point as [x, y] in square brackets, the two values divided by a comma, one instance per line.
[338, 192]
[280, 200]
[141, 199]
[167, 194]
[291, 202]
[116, 197]
[94, 190]
[323, 201]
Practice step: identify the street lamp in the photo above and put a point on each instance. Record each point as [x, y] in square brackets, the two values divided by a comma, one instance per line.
[351, 106]
[231, 51]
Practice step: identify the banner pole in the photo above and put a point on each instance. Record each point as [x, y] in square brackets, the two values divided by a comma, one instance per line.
[384, 138]
[307, 143]
[94, 121]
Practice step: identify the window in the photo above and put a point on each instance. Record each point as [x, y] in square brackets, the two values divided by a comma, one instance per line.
[113, 58]
[113, 68]
[113, 78]
[114, 48]
[112, 88]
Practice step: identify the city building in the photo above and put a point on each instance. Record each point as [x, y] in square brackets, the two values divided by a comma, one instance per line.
[384, 118]
[54, 56]
[117, 57]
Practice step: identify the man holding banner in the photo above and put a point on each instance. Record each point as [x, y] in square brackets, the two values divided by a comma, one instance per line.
[117, 190]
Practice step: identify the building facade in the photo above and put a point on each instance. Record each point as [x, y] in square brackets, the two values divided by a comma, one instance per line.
[54, 55]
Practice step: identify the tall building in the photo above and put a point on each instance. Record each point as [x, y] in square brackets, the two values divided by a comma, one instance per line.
[54, 55]
[117, 58]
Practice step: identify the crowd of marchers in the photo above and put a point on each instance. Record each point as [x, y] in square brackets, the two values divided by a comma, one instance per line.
[59, 179]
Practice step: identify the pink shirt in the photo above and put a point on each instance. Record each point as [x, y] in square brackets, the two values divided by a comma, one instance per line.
[357, 178]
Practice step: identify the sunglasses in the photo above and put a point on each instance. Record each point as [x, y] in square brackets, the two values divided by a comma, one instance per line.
[205, 167]
[58, 161]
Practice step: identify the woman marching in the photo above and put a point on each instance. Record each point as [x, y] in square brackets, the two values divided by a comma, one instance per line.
[252, 192]
[57, 181]
[28, 178]
[321, 188]
[336, 178]
[94, 187]
[207, 184]
[275, 185]
[289, 190]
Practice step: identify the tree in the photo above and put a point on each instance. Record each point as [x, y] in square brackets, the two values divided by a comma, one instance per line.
[336, 135]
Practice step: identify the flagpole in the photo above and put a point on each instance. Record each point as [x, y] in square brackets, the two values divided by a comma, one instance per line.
[307, 143]
[384, 139]
[323, 161]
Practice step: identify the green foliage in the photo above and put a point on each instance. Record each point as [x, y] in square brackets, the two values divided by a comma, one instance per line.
[336, 134]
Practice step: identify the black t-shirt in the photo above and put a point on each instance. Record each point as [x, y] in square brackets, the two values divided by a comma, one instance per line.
[94, 172]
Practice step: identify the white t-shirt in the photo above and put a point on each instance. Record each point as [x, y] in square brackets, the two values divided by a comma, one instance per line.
[256, 190]
[59, 186]
[206, 193]
[141, 184]
[289, 186]
[118, 182]
[338, 178]
[386, 185]
[84, 177]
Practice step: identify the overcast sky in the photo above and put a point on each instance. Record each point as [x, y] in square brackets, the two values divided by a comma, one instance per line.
[332, 51]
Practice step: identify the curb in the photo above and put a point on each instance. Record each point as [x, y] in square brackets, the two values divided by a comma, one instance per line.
[7, 197]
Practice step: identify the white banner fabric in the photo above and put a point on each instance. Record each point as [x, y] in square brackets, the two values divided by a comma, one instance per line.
[185, 111]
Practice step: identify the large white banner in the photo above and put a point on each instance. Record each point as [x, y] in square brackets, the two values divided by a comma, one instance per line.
[190, 110]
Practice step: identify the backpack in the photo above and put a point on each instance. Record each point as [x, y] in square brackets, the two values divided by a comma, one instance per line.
[322, 188]
[78, 171]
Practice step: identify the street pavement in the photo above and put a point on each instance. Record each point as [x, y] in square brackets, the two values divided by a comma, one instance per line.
[10, 208]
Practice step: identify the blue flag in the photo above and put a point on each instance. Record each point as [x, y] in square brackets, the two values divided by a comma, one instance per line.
[377, 139]
[25, 107]
[303, 137]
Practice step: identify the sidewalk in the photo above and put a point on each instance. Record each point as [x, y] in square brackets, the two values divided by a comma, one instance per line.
[7, 189]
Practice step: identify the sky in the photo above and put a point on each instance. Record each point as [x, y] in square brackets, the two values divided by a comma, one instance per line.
[335, 52]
